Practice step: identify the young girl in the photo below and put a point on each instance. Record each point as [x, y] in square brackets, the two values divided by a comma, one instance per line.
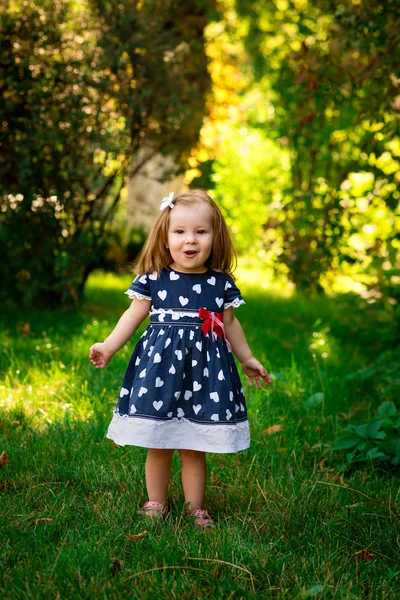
[182, 389]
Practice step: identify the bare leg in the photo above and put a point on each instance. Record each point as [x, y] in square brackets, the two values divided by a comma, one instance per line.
[158, 469]
[194, 476]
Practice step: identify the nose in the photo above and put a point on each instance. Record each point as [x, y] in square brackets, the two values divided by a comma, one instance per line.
[190, 237]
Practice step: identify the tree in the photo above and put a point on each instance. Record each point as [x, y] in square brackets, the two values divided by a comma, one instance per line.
[85, 88]
[330, 74]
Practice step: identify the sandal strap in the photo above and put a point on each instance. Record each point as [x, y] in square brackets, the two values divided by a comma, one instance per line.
[201, 513]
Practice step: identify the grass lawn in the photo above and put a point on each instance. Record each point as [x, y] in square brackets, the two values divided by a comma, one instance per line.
[292, 523]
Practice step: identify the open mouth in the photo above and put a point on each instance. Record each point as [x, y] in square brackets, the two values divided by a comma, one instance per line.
[190, 253]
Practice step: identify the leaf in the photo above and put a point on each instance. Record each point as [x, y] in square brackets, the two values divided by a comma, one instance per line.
[345, 442]
[364, 555]
[314, 590]
[387, 409]
[314, 400]
[272, 429]
[137, 536]
[3, 459]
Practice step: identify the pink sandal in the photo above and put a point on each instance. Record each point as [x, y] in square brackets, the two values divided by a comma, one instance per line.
[201, 518]
[154, 510]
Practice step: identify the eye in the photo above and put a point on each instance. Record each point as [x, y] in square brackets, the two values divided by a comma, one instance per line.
[202, 231]
[179, 231]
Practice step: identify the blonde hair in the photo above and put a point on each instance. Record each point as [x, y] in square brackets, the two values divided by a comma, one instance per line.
[155, 256]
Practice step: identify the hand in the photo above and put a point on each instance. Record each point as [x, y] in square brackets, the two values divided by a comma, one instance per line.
[99, 356]
[254, 371]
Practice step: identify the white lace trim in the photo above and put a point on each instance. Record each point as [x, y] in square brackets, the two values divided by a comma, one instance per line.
[235, 303]
[179, 434]
[132, 294]
[171, 311]
[198, 426]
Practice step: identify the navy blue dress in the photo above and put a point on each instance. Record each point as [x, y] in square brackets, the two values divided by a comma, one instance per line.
[182, 388]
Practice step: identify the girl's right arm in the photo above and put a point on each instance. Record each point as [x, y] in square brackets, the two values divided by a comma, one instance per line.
[100, 354]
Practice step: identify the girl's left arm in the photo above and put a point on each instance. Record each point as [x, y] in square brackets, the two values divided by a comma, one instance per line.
[250, 365]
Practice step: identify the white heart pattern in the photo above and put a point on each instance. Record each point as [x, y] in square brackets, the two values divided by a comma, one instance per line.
[142, 373]
[191, 334]
[214, 396]
[161, 318]
[178, 354]
[219, 301]
[212, 280]
[162, 294]
[143, 279]
[169, 414]
[228, 414]
[199, 345]
[197, 288]
[142, 391]
[237, 407]
[183, 300]
[205, 372]
[167, 342]
[231, 396]
[218, 355]
[150, 351]
[173, 276]
[241, 406]
[221, 375]
[196, 386]
[161, 332]
[133, 409]
[157, 358]
[188, 395]
[177, 395]
[157, 404]
[124, 392]
[180, 333]
[172, 370]
[194, 363]
[153, 276]
[208, 356]
[214, 418]
[137, 361]
[145, 343]
[159, 382]
[180, 413]
[196, 408]
[227, 285]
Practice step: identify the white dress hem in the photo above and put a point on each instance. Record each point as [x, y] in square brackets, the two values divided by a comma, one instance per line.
[178, 434]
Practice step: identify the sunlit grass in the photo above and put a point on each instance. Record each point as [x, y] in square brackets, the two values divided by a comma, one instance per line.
[289, 521]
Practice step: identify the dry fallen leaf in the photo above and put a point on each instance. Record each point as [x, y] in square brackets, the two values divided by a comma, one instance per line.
[25, 329]
[3, 459]
[41, 520]
[272, 429]
[16, 423]
[137, 536]
[322, 463]
[364, 555]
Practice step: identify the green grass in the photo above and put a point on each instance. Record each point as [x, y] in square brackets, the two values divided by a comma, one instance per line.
[289, 526]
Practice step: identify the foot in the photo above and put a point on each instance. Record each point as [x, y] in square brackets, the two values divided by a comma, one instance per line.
[201, 518]
[154, 510]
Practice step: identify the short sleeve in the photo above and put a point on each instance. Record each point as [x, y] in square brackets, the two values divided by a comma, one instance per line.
[140, 288]
[232, 295]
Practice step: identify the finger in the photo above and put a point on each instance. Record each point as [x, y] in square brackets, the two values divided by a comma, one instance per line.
[251, 381]
[258, 383]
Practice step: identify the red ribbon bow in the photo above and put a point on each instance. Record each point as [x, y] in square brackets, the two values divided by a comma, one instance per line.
[214, 322]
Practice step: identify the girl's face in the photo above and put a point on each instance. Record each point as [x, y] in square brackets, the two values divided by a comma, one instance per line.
[190, 237]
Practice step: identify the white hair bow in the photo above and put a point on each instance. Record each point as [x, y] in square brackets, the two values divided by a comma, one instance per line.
[167, 201]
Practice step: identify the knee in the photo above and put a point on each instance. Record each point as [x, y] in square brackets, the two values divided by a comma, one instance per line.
[160, 453]
[192, 456]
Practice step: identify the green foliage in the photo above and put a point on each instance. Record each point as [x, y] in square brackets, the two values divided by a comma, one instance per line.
[378, 440]
[328, 74]
[91, 91]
